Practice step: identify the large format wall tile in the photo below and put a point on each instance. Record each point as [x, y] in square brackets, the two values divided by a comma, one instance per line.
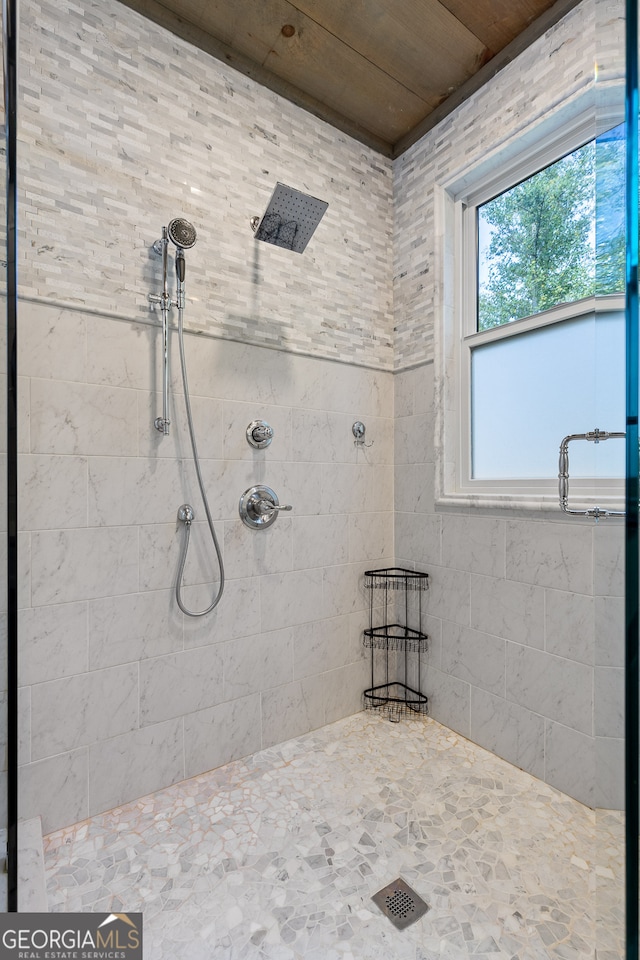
[550, 555]
[55, 789]
[53, 642]
[511, 731]
[83, 564]
[135, 764]
[223, 733]
[80, 418]
[551, 686]
[180, 683]
[84, 709]
[508, 609]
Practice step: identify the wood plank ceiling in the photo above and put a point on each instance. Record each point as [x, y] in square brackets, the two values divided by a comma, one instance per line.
[383, 71]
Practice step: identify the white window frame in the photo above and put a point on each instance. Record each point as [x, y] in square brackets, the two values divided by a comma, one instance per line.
[456, 200]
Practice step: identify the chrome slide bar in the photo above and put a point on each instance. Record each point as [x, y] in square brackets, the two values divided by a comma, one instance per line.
[594, 436]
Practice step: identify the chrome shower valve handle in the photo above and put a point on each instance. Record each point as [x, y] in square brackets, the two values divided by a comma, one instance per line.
[259, 507]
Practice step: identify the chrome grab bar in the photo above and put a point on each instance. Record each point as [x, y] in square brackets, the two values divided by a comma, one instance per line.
[594, 436]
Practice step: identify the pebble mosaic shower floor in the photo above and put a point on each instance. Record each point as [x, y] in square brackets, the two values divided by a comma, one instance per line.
[276, 857]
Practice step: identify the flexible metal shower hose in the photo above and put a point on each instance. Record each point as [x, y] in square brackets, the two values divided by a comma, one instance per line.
[187, 526]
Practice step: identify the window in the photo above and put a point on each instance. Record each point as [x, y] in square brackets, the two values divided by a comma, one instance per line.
[538, 306]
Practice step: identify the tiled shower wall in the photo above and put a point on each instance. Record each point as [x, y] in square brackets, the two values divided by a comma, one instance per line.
[525, 618]
[122, 128]
[527, 626]
[121, 693]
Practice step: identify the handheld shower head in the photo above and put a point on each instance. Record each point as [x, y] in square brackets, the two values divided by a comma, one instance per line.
[182, 233]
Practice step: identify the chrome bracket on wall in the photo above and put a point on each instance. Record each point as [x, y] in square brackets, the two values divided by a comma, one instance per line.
[594, 436]
[259, 507]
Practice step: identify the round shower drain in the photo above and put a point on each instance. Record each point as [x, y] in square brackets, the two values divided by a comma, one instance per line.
[400, 904]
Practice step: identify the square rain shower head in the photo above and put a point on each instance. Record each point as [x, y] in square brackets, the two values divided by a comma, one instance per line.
[290, 218]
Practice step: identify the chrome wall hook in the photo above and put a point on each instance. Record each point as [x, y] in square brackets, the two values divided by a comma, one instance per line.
[359, 430]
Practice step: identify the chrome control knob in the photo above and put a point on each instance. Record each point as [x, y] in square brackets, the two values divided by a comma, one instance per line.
[259, 434]
[259, 507]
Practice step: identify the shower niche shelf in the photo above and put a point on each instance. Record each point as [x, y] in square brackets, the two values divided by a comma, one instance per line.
[398, 593]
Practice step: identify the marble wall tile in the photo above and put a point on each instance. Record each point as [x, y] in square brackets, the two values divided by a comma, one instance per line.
[24, 723]
[475, 657]
[509, 730]
[76, 711]
[419, 536]
[291, 710]
[344, 689]
[122, 354]
[609, 779]
[403, 394]
[252, 664]
[52, 343]
[63, 780]
[449, 595]
[134, 765]
[237, 614]
[379, 490]
[608, 559]
[341, 388]
[570, 761]
[569, 625]
[556, 688]
[80, 418]
[303, 485]
[342, 589]
[243, 372]
[124, 491]
[53, 492]
[370, 537]
[320, 541]
[609, 631]
[25, 567]
[414, 442]
[68, 565]
[226, 480]
[414, 485]
[553, 555]
[609, 702]
[506, 608]
[24, 414]
[160, 548]
[324, 645]
[180, 683]
[53, 642]
[133, 627]
[345, 488]
[249, 552]
[287, 599]
[476, 544]
[414, 391]
[321, 436]
[208, 424]
[221, 734]
[449, 701]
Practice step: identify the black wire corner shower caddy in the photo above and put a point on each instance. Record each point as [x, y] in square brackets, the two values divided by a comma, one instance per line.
[390, 589]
